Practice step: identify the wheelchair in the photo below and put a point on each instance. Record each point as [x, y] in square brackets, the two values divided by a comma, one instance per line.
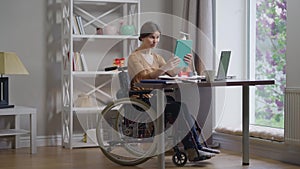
[126, 129]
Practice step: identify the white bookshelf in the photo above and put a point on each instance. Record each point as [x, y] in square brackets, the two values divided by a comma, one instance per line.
[99, 50]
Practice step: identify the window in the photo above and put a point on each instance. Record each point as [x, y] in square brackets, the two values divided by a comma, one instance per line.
[266, 51]
[268, 59]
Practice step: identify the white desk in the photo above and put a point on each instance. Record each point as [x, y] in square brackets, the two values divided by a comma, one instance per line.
[245, 84]
[17, 111]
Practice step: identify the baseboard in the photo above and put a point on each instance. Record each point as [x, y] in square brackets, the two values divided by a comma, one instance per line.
[24, 141]
[263, 148]
[54, 140]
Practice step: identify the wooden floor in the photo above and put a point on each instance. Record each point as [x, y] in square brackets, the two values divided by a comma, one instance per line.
[92, 158]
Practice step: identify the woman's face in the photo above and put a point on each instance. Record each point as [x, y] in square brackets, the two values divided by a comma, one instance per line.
[152, 40]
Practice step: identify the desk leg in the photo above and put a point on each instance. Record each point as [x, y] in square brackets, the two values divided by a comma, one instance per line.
[33, 132]
[16, 137]
[160, 129]
[245, 125]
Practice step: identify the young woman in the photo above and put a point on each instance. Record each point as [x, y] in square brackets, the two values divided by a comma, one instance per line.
[145, 64]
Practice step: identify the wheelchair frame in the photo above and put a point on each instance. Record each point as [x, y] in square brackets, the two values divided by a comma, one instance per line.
[123, 140]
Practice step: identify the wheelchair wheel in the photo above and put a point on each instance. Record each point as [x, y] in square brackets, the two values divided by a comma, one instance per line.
[118, 143]
[179, 159]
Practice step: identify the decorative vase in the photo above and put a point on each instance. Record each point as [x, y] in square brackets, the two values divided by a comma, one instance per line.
[127, 30]
[110, 30]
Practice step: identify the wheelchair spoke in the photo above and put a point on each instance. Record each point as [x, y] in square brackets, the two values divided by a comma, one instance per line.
[123, 139]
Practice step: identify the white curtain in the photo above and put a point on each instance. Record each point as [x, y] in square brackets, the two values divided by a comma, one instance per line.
[198, 15]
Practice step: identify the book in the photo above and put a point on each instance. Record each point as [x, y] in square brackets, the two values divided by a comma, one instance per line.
[78, 63]
[80, 25]
[75, 26]
[182, 48]
[83, 61]
[67, 60]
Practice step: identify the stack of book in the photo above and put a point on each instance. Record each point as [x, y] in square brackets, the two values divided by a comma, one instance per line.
[78, 27]
[79, 63]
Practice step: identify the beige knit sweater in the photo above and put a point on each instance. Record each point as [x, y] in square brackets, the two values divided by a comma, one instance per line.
[139, 68]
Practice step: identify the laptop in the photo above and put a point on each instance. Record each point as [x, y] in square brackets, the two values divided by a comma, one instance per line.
[223, 65]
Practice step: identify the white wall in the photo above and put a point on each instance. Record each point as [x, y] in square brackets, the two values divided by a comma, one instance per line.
[159, 12]
[293, 41]
[23, 31]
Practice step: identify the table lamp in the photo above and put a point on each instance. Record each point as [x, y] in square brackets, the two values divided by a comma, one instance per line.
[10, 64]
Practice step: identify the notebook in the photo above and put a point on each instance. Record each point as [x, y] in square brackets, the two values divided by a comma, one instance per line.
[223, 65]
[182, 48]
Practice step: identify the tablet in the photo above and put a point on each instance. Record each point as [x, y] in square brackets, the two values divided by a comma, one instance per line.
[182, 48]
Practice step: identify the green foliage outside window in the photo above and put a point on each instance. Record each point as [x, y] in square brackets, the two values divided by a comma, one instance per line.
[271, 17]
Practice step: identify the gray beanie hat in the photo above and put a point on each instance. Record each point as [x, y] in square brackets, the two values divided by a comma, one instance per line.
[147, 29]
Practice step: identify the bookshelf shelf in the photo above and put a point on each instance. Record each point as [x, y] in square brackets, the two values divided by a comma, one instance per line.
[107, 1]
[94, 110]
[91, 37]
[86, 54]
[93, 73]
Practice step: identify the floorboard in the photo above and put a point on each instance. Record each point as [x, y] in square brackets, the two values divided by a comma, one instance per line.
[92, 158]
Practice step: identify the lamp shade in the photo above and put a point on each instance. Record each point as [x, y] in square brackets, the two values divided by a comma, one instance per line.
[10, 64]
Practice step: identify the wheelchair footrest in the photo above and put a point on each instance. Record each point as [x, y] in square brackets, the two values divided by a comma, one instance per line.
[210, 150]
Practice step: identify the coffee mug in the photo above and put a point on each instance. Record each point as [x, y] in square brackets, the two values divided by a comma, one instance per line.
[209, 75]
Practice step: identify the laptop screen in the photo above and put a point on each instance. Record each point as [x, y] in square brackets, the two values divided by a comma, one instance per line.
[223, 65]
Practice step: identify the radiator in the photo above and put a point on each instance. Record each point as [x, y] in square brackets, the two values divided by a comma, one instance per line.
[292, 116]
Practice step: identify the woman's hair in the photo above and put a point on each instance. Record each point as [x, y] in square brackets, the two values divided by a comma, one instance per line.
[147, 29]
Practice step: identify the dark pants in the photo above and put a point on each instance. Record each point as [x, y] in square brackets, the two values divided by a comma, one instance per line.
[177, 113]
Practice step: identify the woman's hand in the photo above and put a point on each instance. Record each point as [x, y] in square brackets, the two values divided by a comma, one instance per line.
[171, 64]
[189, 60]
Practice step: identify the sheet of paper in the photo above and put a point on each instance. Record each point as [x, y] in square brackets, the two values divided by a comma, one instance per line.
[184, 77]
